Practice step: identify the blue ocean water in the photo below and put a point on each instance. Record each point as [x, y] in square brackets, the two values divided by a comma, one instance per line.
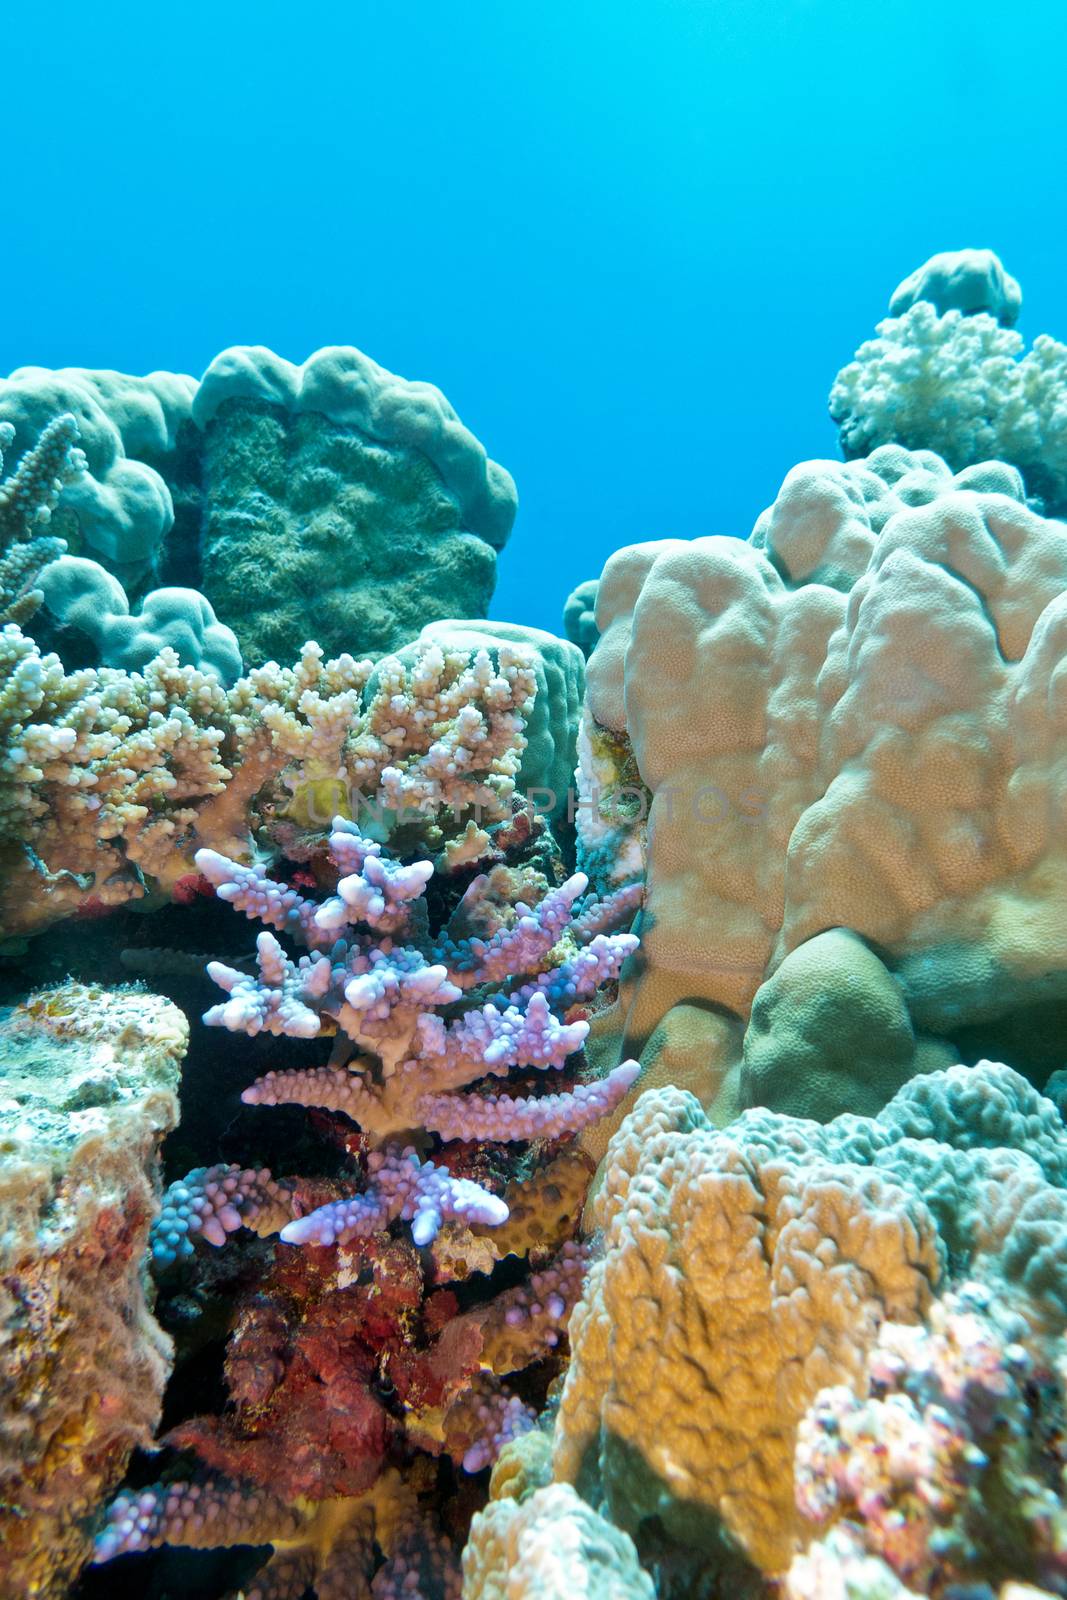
[632, 242]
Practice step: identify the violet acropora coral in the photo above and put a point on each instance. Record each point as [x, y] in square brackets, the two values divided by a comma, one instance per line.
[377, 976]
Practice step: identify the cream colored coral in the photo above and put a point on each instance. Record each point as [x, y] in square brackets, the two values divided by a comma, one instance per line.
[110, 781]
[743, 1270]
[551, 1546]
[852, 720]
[88, 1089]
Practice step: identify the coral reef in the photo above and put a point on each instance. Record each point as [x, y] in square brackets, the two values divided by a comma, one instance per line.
[551, 1546]
[953, 1464]
[947, 372]
[778, 1309]
[378, 978]
[579, 616]
[81, 598]
[27, 499]
[745, 1270]
[110, 781]
[546, 775]
[355, 1354]
[339, 479]
[848, 721]
[961, 280]
[120, 509]
[88, 1088]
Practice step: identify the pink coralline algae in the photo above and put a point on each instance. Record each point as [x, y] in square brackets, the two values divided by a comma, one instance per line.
[950, 1470]
[378, 979]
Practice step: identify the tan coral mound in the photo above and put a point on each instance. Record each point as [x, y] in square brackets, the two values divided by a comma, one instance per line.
[88, 1082]
[852, 720]
[743, 1271]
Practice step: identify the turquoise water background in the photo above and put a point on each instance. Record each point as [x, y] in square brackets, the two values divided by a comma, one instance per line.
[632, 242]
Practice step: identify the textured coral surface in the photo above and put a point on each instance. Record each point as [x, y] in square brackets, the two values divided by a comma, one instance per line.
[88, 1082]
[745, 1270]
[851, 721]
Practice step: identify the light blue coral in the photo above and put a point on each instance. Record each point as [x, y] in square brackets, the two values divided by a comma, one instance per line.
[83, 595]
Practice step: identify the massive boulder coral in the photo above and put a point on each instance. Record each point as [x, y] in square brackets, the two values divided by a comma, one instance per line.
[91, 617]
[134, 433]
[850, 721]
[947, 372]
[961, 280]
[745, 1270]
[88, 1088]
[111, 780]
[339, 479]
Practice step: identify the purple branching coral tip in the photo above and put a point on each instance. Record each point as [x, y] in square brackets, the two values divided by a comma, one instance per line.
[400, 1185]
[377, 976]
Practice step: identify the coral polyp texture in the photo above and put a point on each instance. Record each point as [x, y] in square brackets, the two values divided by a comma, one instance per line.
[745, 1270]
[849, 721]
[111, 780]
[88, 1088]
[339, 479]
[953, 1465]
[947, 372]
[27, 499]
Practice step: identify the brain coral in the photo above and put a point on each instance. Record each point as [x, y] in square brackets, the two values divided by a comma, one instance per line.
[937, 378]
[745, 1270]
[121, 509]
[852, 720]
[340, 481]
[88, 1088]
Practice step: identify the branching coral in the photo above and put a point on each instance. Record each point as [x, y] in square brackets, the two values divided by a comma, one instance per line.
[376, 974]
[937, 377]
[27, 499]
[377, 1545]
[356, 1352]
[109, 781]
[954, 1463]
